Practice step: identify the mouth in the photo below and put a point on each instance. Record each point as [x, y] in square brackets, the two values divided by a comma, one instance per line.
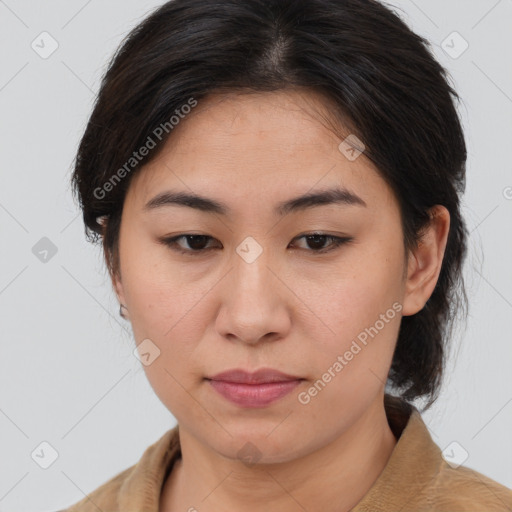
[253, 389]
[261, 376]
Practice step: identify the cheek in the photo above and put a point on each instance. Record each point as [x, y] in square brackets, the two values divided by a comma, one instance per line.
[361, 305]
[162, 302]
[164, 310]
[351, 365]
[353, 294]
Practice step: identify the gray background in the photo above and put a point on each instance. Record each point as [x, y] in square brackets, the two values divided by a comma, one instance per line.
[67, 372]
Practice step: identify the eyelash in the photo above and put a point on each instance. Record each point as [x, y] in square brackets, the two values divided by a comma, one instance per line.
[172, 243]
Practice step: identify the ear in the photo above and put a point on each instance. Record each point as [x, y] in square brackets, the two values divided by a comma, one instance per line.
[115, 277]
[118, 288]
[424, 262]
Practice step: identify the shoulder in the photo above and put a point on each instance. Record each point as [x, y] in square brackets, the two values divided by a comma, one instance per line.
[466, 489]
[418, 477]
[138, 486]
[105, 496]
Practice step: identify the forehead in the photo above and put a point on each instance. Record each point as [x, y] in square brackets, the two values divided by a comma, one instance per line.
[263, 144]
[285, 120]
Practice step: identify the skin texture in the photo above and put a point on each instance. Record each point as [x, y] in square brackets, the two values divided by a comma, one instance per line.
[291, 309]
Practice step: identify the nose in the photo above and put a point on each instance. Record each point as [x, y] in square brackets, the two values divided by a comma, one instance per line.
[255, 303]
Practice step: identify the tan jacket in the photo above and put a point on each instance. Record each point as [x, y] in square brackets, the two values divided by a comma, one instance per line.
[416, 478]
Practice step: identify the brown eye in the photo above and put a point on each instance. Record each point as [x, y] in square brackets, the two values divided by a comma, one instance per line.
[316, 241]
[196, 243]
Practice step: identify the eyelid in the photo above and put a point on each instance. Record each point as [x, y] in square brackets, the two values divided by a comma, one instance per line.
[337, 241]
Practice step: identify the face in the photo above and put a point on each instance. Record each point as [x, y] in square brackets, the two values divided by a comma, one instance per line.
[251, 289]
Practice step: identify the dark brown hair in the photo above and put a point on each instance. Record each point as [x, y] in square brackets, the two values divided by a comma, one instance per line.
[361, 57]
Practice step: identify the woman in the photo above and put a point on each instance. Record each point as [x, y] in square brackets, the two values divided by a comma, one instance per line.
[276, 185]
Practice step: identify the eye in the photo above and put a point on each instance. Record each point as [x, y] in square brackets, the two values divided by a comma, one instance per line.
[197, 244]
[317, 240]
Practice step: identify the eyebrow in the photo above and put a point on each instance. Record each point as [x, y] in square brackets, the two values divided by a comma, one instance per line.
[335, 195]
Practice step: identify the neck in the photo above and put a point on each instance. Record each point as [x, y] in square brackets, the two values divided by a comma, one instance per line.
[332, 478]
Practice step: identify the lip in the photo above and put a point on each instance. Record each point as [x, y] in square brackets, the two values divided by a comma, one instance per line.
[261, 376]
[253, 389]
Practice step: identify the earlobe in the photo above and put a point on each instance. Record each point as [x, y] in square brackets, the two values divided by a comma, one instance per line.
[115, 277]
[118, 288]
[425, 261]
